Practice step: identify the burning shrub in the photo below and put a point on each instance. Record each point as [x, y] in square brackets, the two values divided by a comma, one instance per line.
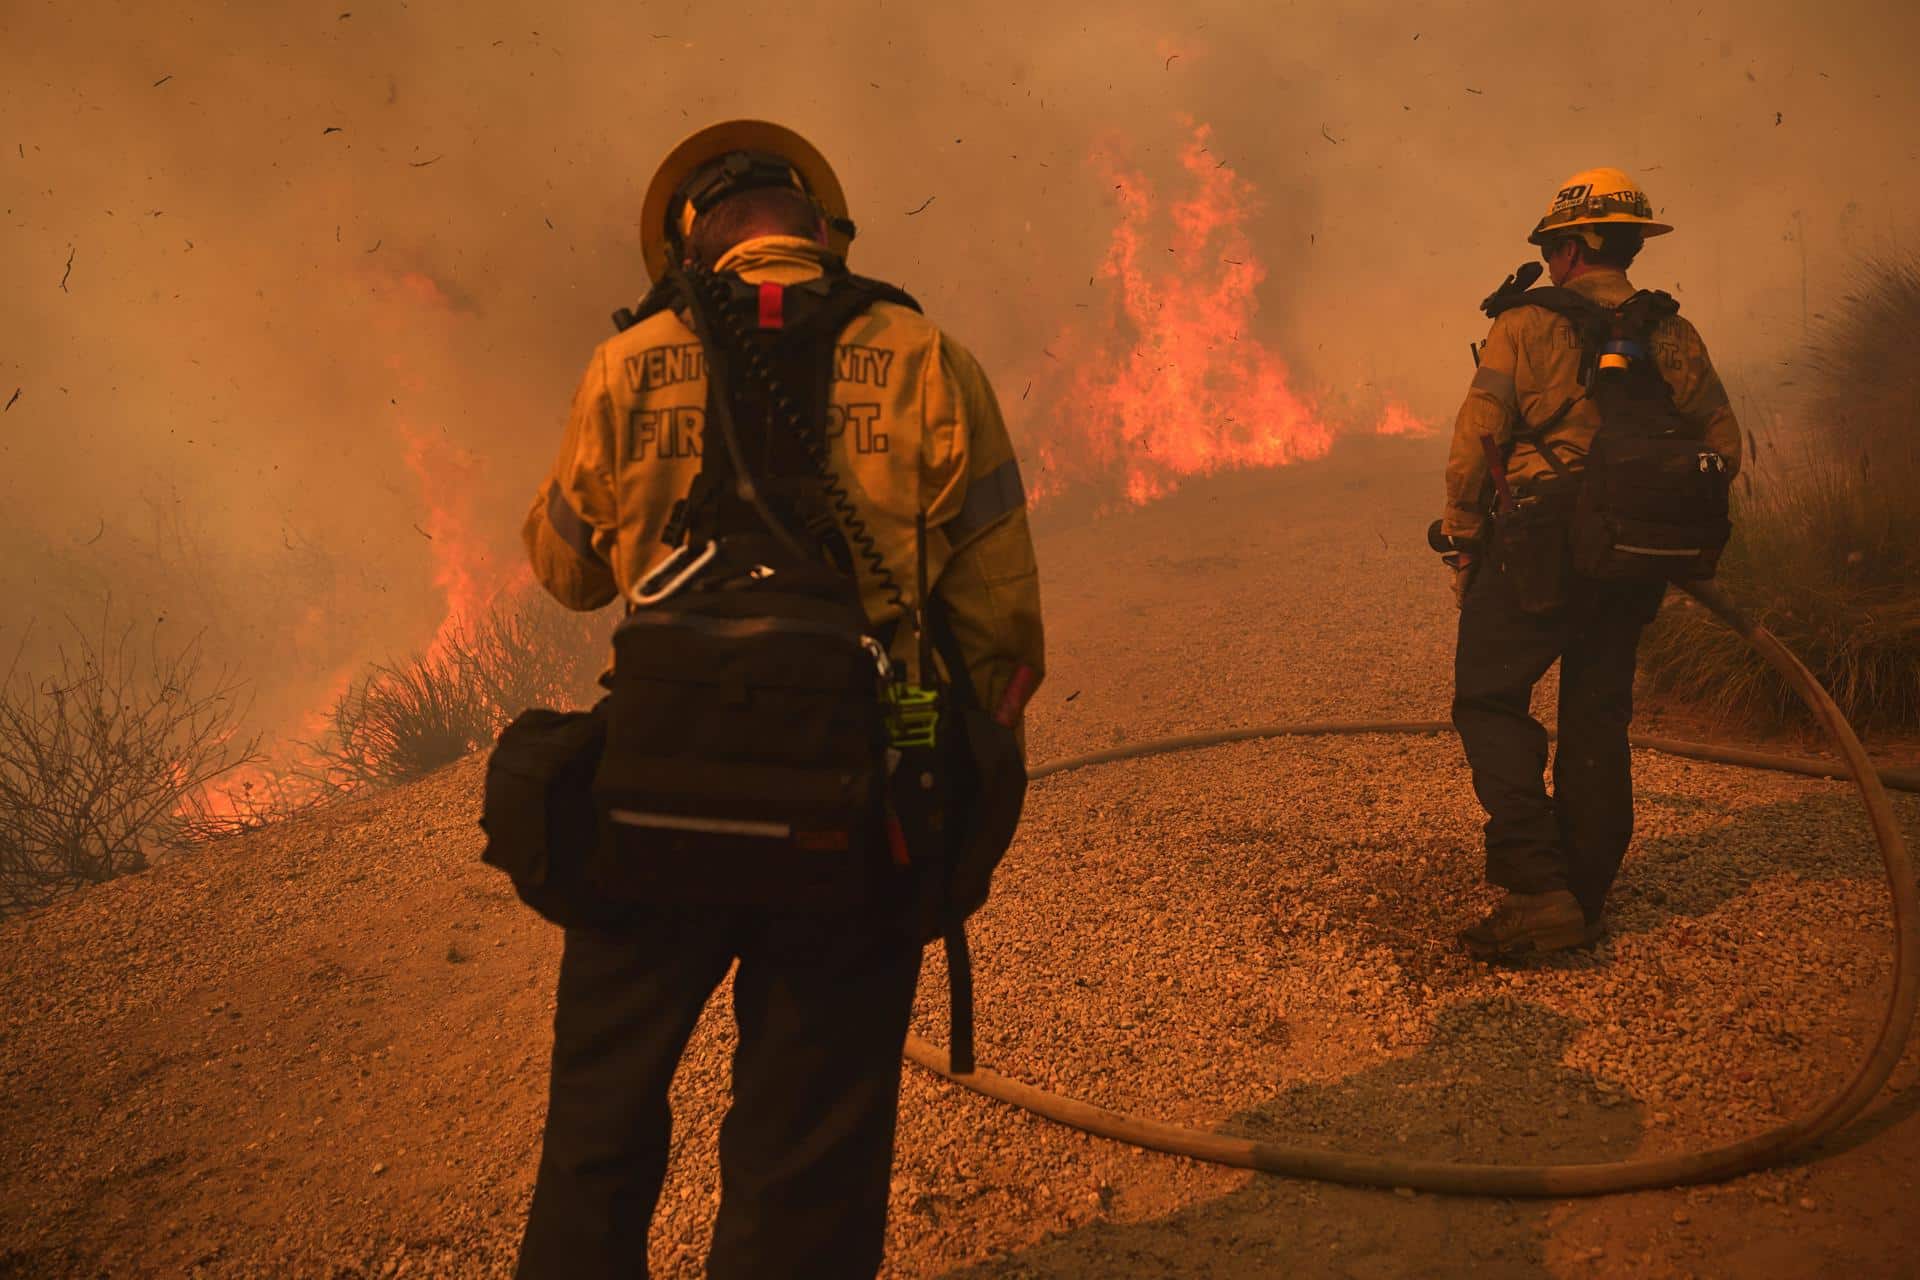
[531, 653]
[248, 798]
[99, 757]
[400, 722]
[1826, 549]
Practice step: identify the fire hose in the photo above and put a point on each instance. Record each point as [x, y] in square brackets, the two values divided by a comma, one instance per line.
[1553, 1180]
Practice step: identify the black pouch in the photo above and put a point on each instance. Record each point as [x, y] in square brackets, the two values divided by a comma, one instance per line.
[988, 823]
[957, 807]
[538, 812]
[1652, 507]
[1532, 544]
[959, 810]
[744, 757]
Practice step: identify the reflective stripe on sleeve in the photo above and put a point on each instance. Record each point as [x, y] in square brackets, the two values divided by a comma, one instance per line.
[989, 497]
[566, 522]
[1497, 383]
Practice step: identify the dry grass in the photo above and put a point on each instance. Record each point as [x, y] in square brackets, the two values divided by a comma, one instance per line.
[1827, 562]
[401, 721]
[1826, 548]
[1867, 402]
[121, 748]
[100, 754]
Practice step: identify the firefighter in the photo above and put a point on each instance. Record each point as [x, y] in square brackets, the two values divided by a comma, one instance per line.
[1528, 422]
[821, 1000]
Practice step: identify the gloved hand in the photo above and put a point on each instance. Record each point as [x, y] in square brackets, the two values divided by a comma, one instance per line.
[1462, 566]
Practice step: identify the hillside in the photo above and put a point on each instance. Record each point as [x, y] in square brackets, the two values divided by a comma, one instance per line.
[320, 1049]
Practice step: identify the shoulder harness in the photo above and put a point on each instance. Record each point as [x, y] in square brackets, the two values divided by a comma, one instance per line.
[1625, 329]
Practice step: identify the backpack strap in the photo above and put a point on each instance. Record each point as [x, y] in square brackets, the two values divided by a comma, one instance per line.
[1589, 319]
[718, 469]
[826, 305]
[1545, 448]
[1566, 302]
[1599, 328]
[1591, 323]
[816, 310]
[661, 297]
[1647, 308]
[953, 926]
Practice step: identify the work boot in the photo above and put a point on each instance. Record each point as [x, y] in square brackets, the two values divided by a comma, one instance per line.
[1531, 924]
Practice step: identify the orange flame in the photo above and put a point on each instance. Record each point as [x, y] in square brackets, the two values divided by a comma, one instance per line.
[1398, 420]
[1177, 386]
[462, 562]
[464, 571]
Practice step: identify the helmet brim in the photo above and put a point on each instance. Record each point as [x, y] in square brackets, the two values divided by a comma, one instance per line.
[1648, 227]
[714, 141]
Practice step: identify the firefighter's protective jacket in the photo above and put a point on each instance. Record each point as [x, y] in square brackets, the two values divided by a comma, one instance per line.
[1530, 367]
[914, 426]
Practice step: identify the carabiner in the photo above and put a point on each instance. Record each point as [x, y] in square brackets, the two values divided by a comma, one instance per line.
[882, 662]
[643, 598]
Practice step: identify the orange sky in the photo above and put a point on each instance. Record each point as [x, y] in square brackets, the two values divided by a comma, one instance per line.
[215, 410]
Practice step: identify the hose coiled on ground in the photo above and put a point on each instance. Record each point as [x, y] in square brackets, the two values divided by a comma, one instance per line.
[1758, 1152]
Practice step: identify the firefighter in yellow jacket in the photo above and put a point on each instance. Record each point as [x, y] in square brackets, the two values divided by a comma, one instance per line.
[1528, 421]
[914, 431]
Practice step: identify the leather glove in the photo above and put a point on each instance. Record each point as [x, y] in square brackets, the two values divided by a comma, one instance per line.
[1462, 567]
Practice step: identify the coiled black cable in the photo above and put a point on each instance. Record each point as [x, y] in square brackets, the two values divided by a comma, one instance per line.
[852, 525]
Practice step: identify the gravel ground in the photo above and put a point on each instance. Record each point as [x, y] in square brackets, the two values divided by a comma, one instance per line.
[320, 1050]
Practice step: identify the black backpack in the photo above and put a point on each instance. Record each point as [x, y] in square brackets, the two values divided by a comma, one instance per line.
[755, 748]
[739, 754]
[1651, 500]
[745, 761]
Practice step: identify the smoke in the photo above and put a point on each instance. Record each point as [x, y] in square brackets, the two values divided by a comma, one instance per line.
[275, 272]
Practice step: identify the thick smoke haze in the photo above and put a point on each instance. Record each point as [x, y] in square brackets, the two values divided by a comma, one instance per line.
[258, 257]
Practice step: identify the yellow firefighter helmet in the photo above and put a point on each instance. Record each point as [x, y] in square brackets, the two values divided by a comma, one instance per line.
[722, 160]
[1597, 198]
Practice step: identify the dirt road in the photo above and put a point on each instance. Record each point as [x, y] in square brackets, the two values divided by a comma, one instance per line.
[320, 1050]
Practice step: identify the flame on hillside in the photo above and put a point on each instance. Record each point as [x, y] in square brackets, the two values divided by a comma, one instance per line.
[1398, 420]
[463, 568]
[1174, 383]
[464, 571]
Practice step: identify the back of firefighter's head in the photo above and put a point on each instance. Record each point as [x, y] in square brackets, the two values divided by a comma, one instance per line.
[763, 211]
[1598, 218]
[1614, 247]
[740, 196]
[733, 181]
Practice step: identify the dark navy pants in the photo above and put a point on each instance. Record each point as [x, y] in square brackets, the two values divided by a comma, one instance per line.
[1575, 838]
[806, 1149]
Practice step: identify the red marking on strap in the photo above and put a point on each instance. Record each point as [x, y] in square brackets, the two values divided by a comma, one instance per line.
[1019, 691]
[897, 841]
[1497, 467]
[773, 305]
